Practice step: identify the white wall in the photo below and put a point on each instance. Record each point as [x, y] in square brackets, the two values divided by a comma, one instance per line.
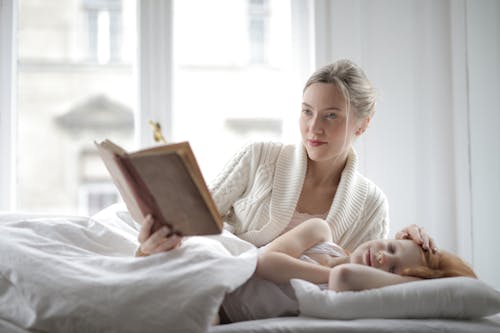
[417, 147]
[404, 48]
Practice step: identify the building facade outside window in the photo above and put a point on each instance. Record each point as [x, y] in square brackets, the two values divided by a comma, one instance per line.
[104, 30]
[258, 24]
[76, 84]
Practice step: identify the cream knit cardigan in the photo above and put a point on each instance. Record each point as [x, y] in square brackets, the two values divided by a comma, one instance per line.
[258, 190]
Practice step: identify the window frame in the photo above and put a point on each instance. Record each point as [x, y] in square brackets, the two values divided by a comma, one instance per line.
[154, 66]
[8, 22]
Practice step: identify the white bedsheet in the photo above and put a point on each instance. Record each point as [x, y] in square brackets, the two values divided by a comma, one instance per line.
[314, 325]
[75, 274]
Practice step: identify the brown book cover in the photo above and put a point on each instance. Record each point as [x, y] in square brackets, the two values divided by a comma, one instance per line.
[164, 181]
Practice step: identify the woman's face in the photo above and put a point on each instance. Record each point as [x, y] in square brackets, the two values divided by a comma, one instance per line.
[326, 126]
[389, 255]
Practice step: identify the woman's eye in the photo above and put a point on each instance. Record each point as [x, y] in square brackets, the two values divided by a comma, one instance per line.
[392, 269]
[306, 112]
[391, 248]
[331, 115]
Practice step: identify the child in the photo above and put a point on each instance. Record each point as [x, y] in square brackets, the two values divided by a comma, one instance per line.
[306, 252]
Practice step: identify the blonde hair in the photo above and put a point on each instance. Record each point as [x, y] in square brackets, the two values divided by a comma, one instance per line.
[353, 84]
[439, 265]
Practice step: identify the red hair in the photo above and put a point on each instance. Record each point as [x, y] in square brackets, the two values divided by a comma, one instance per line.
[439, 265]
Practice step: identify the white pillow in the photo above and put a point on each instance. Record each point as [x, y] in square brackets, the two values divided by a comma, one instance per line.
[456, 297]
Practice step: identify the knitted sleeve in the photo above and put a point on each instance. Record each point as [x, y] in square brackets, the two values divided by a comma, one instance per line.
[374, 222]
[376, 215]
[234, 178]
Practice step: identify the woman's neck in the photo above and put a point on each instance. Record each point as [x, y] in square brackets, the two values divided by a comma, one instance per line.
[325, 173]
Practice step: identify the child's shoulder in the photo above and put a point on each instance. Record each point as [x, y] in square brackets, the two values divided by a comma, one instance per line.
[329, 248]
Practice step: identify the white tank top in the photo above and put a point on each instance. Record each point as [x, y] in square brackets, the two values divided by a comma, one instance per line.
[299, 217]
[322, 248]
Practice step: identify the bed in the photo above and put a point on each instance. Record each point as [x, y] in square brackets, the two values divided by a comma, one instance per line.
[314, 325]
[77, 274]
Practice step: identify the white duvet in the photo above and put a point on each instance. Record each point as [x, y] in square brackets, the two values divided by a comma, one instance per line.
[75, 274]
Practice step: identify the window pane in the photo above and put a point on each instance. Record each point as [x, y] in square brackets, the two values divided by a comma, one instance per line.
[232, 76]
[75, 85]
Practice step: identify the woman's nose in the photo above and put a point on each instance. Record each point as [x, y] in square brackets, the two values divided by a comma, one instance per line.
[316, 125]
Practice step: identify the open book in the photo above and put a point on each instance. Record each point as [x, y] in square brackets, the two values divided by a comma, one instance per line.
[164, 181]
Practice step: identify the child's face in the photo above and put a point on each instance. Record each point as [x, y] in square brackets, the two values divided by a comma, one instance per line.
[389, 255]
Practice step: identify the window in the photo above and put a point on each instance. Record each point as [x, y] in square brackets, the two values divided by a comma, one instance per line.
[228, 81]
[258, 17]
[104, 29]
[232, 76]
[95, 196]
[65, 102]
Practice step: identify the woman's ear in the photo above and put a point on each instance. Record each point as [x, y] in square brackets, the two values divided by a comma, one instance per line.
[363, 125]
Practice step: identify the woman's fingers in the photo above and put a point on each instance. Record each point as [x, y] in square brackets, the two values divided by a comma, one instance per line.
[432, 245]
[415, 234]
[401, 235]
[410, 232]
[168, 244]
[162, 243]
[428, 242]
[418, 235]
[146, 227]
[161, 240]
[157, 238]
[425, 238]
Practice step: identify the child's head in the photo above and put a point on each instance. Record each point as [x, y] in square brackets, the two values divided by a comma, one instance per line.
[440, 264]
[405, 257]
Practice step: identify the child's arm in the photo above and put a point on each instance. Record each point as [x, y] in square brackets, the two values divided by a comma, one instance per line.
[279, 261]
[301, 238]
[280, 268]
[359, 277]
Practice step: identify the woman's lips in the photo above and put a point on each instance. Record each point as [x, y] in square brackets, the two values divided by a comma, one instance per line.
[316, 143]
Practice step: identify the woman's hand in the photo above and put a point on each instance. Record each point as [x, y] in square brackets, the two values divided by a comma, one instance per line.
[162, 240]
[419, 236]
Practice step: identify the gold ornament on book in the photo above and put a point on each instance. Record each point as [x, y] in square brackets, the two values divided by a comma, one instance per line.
[157, 133]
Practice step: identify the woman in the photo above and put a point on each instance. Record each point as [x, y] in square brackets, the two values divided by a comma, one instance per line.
[269, 188]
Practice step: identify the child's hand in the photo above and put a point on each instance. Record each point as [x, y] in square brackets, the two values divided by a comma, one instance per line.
[162, 240]
[419, 236]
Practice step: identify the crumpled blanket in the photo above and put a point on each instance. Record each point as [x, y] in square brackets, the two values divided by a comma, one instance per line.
[78, 274]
